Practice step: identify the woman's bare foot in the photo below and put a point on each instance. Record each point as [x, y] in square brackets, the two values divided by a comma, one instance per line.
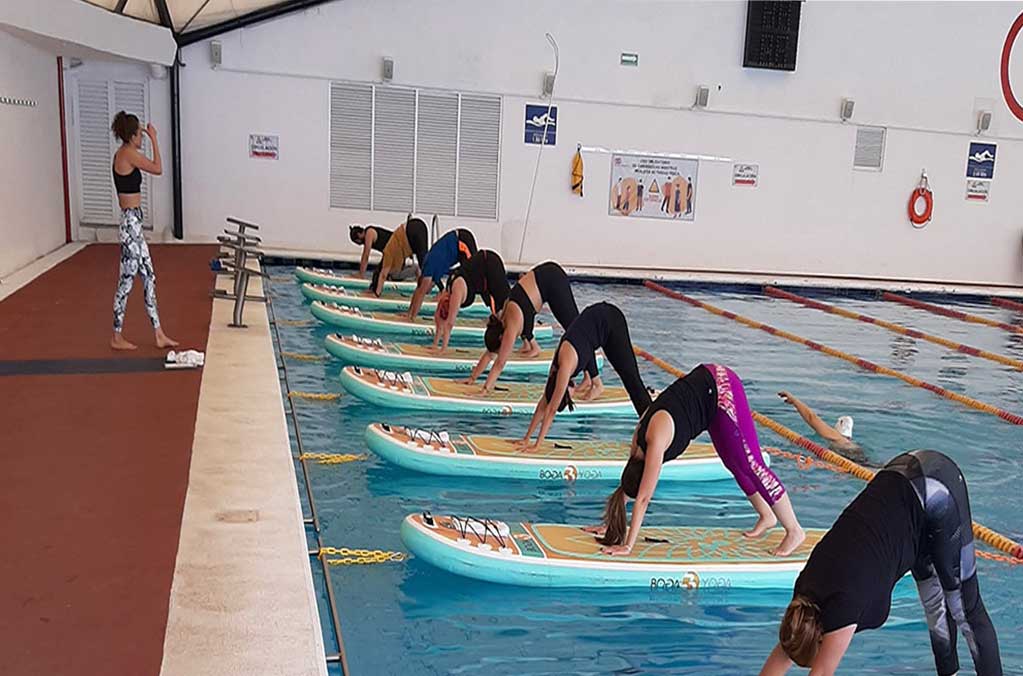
[163, 340]
[595, 390]
[764, 523]
[119, 343]
[792, 540]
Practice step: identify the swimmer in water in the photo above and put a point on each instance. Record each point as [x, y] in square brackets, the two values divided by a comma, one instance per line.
[710, 398]
[547, 284]
[839, 437]
[914, 516]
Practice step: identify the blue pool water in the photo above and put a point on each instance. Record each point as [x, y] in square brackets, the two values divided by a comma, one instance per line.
[411, 618]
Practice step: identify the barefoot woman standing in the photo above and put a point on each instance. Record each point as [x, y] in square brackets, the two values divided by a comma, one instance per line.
[129, 163]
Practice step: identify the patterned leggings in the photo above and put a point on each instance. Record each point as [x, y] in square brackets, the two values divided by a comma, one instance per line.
[735, 438]
[134, 260]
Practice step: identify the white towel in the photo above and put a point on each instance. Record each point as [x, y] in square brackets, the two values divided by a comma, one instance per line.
[185, 359]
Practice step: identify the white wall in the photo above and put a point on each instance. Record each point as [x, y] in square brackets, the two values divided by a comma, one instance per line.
[161, 195]
[921, 69]
[31, 185]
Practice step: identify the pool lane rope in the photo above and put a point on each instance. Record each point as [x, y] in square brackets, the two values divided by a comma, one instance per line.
[982, 533]
[1007, 304]
[948, 312]
[295, 322]
[315, 396]
[303, 357]
[976, 404]
[891, 326]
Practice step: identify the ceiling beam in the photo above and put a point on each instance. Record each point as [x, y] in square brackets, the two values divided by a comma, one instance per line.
[165, 16]
[266, 14]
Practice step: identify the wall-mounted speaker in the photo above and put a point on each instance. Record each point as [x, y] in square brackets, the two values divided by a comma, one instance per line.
[983, 121]
[846, 111]
[702, 97]
[216, 53]
[548, 84]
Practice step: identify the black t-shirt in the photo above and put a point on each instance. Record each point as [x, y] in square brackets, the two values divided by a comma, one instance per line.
[383, 237]
[692, 403]
[875, 541]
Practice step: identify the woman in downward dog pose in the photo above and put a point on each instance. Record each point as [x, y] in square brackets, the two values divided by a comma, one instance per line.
[410, 239]
[482, 275]
[709, 398]
[600, 326]
[914, 515]
[546, 283]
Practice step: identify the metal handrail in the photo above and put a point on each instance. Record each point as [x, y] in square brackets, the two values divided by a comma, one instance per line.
[313, 518]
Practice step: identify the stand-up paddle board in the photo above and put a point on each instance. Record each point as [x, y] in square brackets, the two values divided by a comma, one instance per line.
[375, 353]
[563, 555]
[404, 390]
[389, 302]
[332, 278]
[354, 319]
[554, 460]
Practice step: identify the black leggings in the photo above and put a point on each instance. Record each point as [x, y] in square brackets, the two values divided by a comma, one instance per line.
[556, 291]
[617, 347]
[418, 239]
[946, 568]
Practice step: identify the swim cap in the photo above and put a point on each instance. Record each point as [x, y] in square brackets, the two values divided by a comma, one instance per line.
[844, 425]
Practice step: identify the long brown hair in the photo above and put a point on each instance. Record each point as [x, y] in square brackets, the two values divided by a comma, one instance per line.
[800, 631]
[615, 518]
[125, 126]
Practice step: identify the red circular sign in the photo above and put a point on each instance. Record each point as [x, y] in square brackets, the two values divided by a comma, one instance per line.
[1010, 40]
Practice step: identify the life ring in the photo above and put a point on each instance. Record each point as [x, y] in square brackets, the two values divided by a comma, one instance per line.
[920, 218]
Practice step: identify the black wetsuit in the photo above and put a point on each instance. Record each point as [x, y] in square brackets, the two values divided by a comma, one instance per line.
[913, 516]
[383, 237]
[484, 275]
[692, 402]
[602, 325]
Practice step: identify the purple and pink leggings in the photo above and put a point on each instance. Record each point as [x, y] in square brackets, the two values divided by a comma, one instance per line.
[735, 438]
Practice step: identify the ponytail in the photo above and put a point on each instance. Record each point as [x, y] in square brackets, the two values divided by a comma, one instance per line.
[800, 631]
[615, 518]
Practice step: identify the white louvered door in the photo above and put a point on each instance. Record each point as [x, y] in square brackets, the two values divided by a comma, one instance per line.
[351, 146]
[97, 103]
[479, 149]
[394, 139]
[436, 153]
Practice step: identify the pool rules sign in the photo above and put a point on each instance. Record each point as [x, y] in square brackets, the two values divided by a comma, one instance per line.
[980, 170]
[264, 146]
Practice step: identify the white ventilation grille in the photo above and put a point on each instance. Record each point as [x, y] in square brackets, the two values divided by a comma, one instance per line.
[398, 149]
[437, 153]
[98, 102]
[479, 152]
[394, 147]
[351, 149]
[869, 148]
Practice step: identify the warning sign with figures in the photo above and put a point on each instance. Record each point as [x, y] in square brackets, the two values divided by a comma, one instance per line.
[977, 190]
[745, 175]
[653, 186]
[264, 146]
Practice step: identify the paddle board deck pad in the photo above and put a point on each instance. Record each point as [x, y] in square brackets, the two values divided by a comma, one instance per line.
[375, 353]
[555, 460]
[389, 302]
[357, 321]
[562, 555]
[332, 278]
[403, 390]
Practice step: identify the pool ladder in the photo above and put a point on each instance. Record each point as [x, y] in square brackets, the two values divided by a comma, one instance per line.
[313, 519]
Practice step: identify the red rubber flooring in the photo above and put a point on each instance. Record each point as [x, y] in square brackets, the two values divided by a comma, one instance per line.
[94, 467]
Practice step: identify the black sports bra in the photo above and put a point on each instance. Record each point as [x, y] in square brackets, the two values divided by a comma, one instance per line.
[127, 184]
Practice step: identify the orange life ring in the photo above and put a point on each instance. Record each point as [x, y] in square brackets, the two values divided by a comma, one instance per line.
[914, 216]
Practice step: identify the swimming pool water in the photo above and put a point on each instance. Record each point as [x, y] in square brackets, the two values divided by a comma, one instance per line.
[412, 618]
